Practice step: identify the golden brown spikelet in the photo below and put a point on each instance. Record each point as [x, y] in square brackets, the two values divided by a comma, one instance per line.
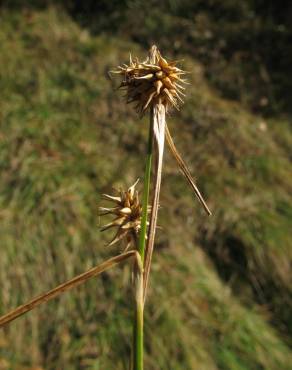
[152, 81]
[127, 214]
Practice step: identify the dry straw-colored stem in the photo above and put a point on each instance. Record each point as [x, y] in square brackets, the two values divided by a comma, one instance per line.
[95, 271]
[185, 170]
[158, 117]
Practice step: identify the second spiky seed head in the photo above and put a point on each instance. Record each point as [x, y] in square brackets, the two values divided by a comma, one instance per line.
[127, 211]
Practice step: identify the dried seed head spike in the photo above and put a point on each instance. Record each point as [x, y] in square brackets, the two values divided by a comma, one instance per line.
[153, 81]
[111, 198]
[127, 214]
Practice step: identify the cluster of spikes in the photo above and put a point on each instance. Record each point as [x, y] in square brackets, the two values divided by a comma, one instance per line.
[127, 213]
[152, 81]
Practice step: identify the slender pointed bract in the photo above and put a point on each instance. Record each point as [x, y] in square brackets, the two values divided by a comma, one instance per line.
[77, 280]
[185, 170]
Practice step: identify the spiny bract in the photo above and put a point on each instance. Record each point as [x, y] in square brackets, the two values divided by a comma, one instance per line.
[153, 81]
[127, 212]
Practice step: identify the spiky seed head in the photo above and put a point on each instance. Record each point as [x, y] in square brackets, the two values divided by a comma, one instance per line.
[127, 212]
[152, 81]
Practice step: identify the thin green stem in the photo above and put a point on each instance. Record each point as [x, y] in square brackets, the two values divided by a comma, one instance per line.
[138, 326]
[145, 201]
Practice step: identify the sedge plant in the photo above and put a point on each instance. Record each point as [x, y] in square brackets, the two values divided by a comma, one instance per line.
[156, 86]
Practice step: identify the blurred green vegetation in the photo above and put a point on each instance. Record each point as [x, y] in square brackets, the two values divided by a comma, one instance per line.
[220, 294]
[245, 44]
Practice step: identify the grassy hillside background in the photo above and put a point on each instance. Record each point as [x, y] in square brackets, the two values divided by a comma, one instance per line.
[220, 294]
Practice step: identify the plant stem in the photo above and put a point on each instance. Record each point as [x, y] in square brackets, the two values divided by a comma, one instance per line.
[141, 243]
[138, 326]
[159, 134]
[147, 178]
